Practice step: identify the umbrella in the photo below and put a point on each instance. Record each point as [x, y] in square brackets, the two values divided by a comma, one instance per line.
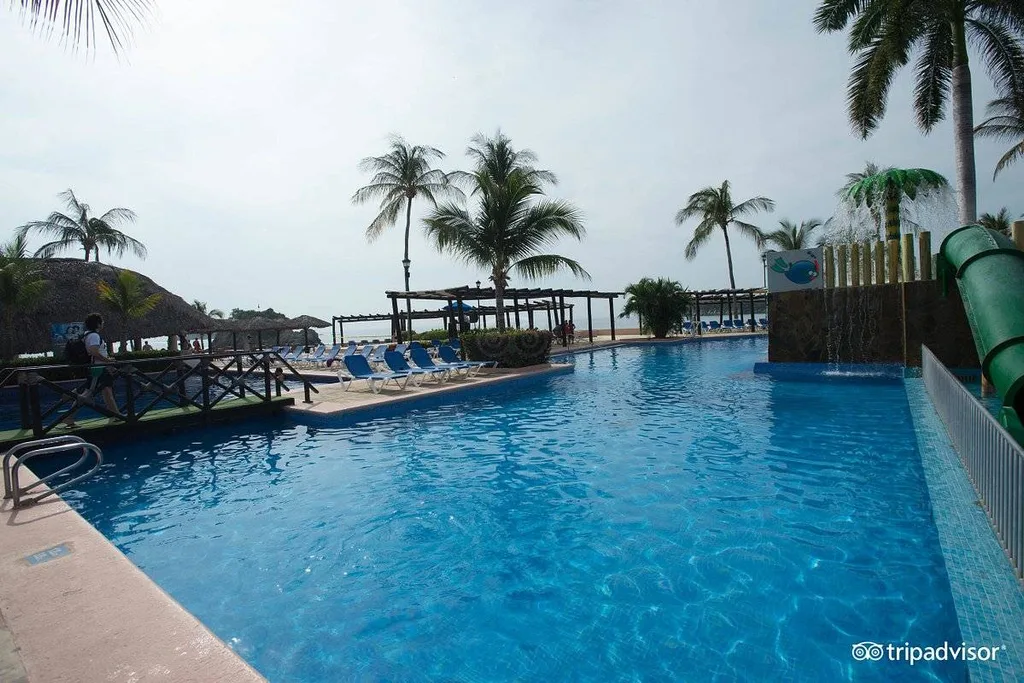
[455, 307]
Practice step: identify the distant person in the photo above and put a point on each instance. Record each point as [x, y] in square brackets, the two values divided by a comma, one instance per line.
[96, 357]
[279, 378]
[196, 346]
[146, 346]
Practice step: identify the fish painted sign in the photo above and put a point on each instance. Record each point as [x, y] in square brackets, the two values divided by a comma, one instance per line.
[792, 270]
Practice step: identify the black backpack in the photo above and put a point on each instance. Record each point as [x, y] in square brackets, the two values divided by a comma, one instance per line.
[75, 352]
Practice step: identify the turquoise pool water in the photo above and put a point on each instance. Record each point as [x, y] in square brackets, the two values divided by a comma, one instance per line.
[660, 514]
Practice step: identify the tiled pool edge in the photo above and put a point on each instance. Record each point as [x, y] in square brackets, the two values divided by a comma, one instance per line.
[988, 598]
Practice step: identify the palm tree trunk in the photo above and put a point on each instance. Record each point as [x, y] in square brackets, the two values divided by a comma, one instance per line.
[728, 257]
[499, 304]
[963, 128]
[892, 215]
[87, 254]
[408, 222]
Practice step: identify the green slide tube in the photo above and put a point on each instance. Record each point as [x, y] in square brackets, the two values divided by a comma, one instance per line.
[989, 272]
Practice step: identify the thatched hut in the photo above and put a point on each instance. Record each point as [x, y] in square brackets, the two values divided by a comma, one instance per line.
[73, 293]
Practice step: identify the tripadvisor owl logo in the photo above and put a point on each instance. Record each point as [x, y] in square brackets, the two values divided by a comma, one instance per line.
[869, 651]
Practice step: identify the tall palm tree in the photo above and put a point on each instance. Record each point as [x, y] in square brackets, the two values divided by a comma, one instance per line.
[401, 175]
[714, 207]
[888, 188]
[660, 304]
[22, 288]
[1000, 222]
[1005, 122]
[128, 298]
[792, 236]
[512, 221]
[76, 20]
[883, 35]
[202, 308]
[81, 230]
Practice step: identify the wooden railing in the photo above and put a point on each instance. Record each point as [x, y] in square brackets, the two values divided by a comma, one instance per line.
[874, 262]
[148, 384]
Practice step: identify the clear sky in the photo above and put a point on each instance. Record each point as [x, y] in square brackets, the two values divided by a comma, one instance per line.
[234, 130]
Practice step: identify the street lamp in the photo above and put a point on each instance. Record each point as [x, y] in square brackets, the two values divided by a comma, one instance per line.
[478, 305]
[764, 266]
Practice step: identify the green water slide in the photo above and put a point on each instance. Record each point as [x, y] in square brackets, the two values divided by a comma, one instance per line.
[989, 272]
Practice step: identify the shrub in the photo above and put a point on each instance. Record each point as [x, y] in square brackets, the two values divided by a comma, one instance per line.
[512, 348]
[441, 334]
[661, 305]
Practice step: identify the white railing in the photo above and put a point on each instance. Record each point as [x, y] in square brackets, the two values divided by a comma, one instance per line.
[993, 459]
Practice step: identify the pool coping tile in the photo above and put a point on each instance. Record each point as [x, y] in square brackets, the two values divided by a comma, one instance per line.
[989, 599]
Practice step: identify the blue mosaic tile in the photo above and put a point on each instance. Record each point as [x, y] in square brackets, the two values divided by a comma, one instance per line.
[988, 597]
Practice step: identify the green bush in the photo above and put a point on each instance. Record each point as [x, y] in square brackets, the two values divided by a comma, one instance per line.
[441, 334]
[512, 348]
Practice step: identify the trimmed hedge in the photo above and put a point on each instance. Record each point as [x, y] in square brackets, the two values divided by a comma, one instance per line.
[512, 348]
[430, 335]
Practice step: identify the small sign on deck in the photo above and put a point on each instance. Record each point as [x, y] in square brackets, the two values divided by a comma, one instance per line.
[48, 554]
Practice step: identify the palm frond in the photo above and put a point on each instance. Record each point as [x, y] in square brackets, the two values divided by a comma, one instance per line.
[753, 205]
[543, 265]
[1002, 54]
[933, 75]
[701, 235]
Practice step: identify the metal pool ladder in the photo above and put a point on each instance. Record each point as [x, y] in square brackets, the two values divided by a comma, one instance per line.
[23, 452]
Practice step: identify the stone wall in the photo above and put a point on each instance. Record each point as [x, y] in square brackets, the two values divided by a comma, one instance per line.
[873, 324]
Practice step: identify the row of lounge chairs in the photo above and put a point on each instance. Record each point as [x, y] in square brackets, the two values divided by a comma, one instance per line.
[735, 325]
[393, 367]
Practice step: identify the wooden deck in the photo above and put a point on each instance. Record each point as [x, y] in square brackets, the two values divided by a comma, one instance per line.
[156, 421]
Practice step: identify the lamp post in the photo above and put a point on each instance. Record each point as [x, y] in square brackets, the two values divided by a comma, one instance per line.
[478, 304]
[764, 267]
[408, 302]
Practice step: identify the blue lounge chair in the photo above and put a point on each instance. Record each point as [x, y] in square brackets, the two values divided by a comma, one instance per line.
[292, 355]
[762, 323]
[376, 357]
[396, 363]
[449, 355]
[350, 349]
[687, 327]
[421, 358]
[329, 357]
[455, 343]
[727, 326]
[314, 356]
[714, 326]
[704, 327]
[367, 350]
[359, 368]
[402, 348]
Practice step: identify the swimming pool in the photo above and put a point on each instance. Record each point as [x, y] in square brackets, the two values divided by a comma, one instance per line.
[659, 514]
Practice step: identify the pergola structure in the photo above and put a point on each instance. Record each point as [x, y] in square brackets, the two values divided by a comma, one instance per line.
[731, 299]
[457, 296]
[529, 307]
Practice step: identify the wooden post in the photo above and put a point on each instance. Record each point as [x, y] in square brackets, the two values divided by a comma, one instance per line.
[830, 267]
[855, 265]
[334, 337]
[879, 262]
[529, 314]
[1017, 234]
[908, 258]
[841, 262]
[551, 328]
[590, 322]
[924, 243]
[565, 328]
[341, 332]
[515, 305]
[753, 317]
[396, 328]
[893, 266]
[865, 263]
[611, 314]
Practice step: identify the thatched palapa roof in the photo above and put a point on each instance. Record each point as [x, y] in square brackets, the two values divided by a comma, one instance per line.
[73, 294]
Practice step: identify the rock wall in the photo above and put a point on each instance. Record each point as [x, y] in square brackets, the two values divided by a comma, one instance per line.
[873, 324]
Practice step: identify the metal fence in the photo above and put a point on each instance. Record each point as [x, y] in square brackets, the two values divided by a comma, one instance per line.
[993, 459]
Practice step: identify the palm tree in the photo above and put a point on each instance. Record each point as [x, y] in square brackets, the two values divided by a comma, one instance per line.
[511, 222]
[792, 236]
[84, 231]
[870, 169]
[128, 298]
[888, 188]
[884, 34]
[201, 307]
[1005, 122]
[22, 288]
[714, 207]
[660, 304]
[401, 175]
[1001, 222]
[77, 19]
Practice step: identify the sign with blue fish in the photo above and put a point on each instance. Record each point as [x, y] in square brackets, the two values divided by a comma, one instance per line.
[793, 270]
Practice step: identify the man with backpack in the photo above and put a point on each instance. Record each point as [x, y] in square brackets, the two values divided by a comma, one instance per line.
[91, 350]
